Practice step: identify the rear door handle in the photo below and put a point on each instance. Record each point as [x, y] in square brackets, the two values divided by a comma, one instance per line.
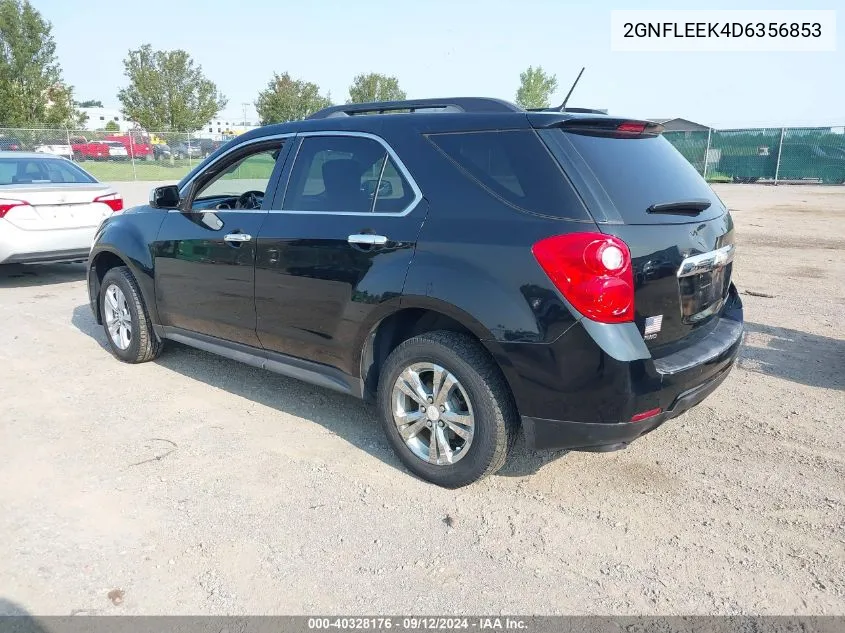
[367, 240]
[237, 237]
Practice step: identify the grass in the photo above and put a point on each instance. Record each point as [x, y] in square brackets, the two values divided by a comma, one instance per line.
[258, 166]
[144, 170]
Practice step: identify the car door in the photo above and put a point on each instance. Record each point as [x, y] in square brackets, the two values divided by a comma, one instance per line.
[337, 243]
[205, 250]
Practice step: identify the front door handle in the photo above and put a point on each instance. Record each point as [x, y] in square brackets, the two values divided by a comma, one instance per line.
[237, 237]
[366, 239]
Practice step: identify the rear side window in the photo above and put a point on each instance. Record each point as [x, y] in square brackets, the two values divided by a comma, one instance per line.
[346, 174]
[637, 173]
[38, 171]
[516, 167]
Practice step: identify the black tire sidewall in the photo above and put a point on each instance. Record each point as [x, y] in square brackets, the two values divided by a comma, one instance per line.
[477, 460]
[131, 353]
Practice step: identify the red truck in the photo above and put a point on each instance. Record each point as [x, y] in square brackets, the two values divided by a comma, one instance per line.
[88, 150]
[138, 146]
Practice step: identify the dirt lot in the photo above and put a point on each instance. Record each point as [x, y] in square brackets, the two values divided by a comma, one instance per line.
[198, 485]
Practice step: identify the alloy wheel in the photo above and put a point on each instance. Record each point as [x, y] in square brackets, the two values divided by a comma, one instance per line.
[433, 414]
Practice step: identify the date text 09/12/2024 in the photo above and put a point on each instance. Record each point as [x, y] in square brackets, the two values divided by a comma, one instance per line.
[418, 623]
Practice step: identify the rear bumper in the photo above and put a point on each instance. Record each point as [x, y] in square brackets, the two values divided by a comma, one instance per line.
[31, 247]
[571, 395]
[600, 436]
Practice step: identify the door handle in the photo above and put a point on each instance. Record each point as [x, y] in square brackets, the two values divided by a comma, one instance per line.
[366, 239]
[237, 237]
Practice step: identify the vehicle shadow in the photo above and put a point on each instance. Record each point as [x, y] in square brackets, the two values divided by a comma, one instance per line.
[15, 619]
[351, 419]
[808, 359]
[20, 276]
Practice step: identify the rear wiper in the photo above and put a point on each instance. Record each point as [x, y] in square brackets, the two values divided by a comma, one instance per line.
[681, 207]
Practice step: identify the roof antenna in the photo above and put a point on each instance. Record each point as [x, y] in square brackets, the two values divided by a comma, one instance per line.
[568, 94]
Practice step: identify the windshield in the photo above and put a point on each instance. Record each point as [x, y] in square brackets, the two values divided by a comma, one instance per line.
[20, 171]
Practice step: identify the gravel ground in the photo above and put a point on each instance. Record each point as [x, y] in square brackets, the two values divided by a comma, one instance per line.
[195, 484]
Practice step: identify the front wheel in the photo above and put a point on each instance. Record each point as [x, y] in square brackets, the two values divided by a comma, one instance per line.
[126, 321]
[446, 408]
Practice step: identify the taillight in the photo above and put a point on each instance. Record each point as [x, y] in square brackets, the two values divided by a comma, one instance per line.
[7, 204]
[593, 271]
[113, 200]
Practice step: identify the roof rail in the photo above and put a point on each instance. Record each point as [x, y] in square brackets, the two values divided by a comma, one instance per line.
[454, 104]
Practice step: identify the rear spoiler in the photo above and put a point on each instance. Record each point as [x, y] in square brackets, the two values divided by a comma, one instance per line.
[601, 125]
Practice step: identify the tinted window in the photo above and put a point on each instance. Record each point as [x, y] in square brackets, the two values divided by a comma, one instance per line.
[40, 170]
[639, 172]
[516, 167]
[346, 174]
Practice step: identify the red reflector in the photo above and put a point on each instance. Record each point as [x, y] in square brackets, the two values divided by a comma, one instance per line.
[6, 205]
[593, 271]
[646, 415]
[113, 200]
[631, 127]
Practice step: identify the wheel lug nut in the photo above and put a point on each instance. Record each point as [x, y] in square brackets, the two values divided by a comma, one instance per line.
[430, 399]
[441, 424]
[428, 423]
[442, 407]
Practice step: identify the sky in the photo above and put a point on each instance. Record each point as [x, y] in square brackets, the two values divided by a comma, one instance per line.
[439, 48]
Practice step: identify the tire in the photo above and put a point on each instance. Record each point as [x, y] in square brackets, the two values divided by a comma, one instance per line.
[141, 342]
[481, 391]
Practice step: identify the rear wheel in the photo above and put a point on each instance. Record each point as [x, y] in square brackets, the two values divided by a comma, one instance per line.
[126, 321]
[446, 408]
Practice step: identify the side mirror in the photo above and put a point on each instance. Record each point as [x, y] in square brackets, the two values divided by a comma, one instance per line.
[166, 197]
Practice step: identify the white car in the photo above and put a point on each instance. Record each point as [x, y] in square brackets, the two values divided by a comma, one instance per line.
[117, 150]
[56, 148]
[50, 208]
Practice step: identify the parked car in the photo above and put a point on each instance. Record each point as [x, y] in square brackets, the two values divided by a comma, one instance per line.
[569, 273]
[207, 146]
[189, 149]
[10, 144]
[49, 208]
[137, 145]
[83, 149]
[117, 151]
[161, 151]
[57, 147]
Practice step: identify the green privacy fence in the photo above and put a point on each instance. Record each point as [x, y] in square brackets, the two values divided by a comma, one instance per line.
[765, 154]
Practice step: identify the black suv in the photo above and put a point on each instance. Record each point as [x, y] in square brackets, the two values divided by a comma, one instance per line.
[471, 267]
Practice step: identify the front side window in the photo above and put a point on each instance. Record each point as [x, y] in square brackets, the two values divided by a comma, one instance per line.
[242, 183]
[346, 174]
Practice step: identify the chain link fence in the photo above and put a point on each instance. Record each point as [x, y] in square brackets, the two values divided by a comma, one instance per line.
[112, 156]
[747, 155]
[812, 154]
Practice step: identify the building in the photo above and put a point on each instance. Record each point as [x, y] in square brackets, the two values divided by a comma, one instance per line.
[680, 125]
[98, 117]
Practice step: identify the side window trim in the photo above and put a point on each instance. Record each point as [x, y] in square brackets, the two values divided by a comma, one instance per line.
[391, 154]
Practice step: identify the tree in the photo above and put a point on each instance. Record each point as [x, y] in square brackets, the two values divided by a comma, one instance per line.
[167, 91]
[112, 126]
[535, 88]
[91, 103]
[375, 87]
[287, 99]
[31, 89]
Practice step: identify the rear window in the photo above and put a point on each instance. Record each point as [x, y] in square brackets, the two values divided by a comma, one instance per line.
[639, 172]
[24, 171]
[516, 167]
